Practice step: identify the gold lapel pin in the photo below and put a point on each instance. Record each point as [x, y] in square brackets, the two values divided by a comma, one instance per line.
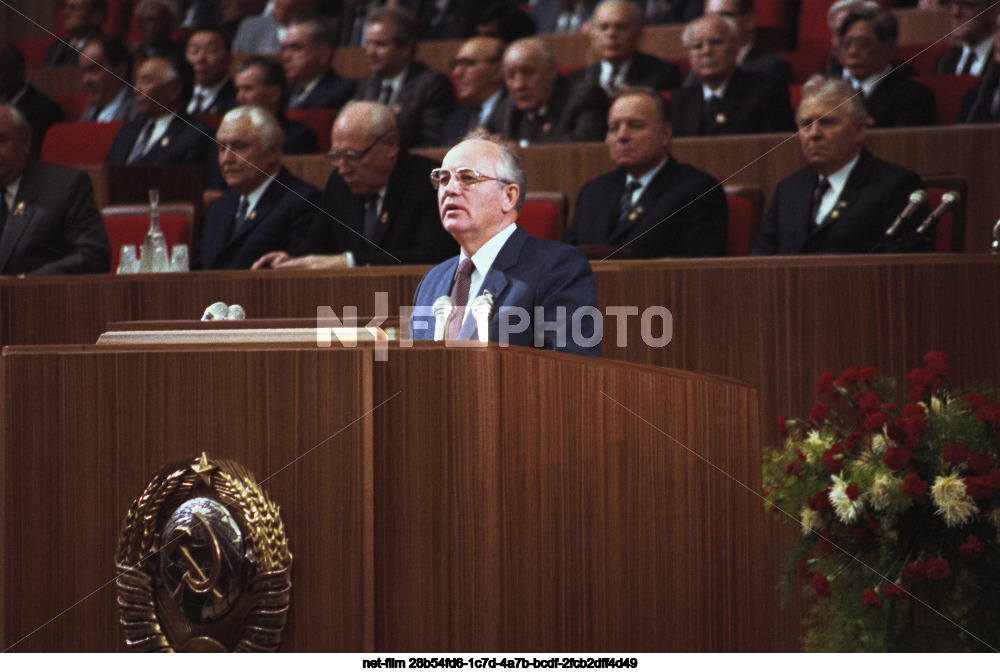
[720, 118]
[384, 217]
[19, 209]
[547, 127]
[165, 141]
[253, 214]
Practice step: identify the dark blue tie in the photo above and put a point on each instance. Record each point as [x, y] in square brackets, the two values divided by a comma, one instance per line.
[3, 210]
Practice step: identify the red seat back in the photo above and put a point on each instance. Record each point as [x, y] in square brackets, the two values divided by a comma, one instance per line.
[79, 143]
[948, 93]
[320, 121]
[73, 104]
[746, 211]
[34, 49]
[543, 214]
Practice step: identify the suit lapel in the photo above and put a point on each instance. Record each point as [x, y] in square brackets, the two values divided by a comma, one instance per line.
[22, 211]
[496, 281]
[847, 197]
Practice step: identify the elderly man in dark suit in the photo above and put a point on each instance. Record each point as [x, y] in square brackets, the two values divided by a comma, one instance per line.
[261, 82]
[306, 53]
[39, 110]
[651, 204]
[82, 20]
[614, 37]
[210, 55]
[377, 207]
[542, 290]
[421, 98]
[542, 105]
[49, 223]
[561, 16]
[265, 208]
[845, 200]
[751, 55]
[476, 71]
[163, 133]
[723, 99]
[973, 24]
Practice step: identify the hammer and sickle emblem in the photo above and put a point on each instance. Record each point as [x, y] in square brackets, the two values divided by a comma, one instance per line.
[194, 578]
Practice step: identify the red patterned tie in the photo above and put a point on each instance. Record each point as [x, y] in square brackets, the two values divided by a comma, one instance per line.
[460, 295]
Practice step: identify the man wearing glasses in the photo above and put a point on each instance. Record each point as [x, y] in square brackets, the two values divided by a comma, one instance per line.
[973, 23]
[543, 292]
[377, 207]
[479, 85]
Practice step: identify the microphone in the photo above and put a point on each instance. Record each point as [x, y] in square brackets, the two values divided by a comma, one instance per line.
[444, 311]
[217, 311]
[948, 201]
[917, 199]
[236, 312]
[482, 311]
[995, 247]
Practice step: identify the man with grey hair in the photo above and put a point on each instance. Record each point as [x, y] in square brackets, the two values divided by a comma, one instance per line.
[377, 208]
[834, 17]
[542, 105]
[265, 208]
[49, 223]
[845, 200]
[722, 98]
[542, 290]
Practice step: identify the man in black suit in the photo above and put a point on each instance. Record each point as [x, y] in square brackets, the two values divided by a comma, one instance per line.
[107, 69]
[261, 82]
[864, 47]
[478, 79]
[561, 16]
[846, 199]
[751, 57]
[82, 20]
[265, 207]
[40, 111]
[651, 204]
[973, 25]
[723, 99]
[615, 30]
[157, 20]
[542, 105]
[421, 98]
[209, 52]
[306, 53]
[378, 208]
[163, 132]
[49, 223]
[981, 104]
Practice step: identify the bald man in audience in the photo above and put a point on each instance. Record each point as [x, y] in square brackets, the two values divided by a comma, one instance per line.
[377, 207]
[652, 205]
[722, 98]
[265, 207]
[478, 75]
[615, 30]
[845, 200]
[543, 106]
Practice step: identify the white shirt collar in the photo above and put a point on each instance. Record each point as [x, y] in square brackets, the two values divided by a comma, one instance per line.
[644, 180]
[254, 196]
[869, 84]
[980, 52]
[10, 193]
[109, 111]
[837, 181]
[396, 82]
[486, 109]
[607, 68]
[719, 92]
[484, 257]
[209, 93]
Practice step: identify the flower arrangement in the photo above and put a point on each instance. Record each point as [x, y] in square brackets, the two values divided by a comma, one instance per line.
[898, 502]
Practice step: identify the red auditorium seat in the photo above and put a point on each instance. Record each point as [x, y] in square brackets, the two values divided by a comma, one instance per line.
[73, 104]
[544, 214]
[34, 49]
[950, 233]
[82, 143]
[814, 34]
[806, 63]
[746, 212]
[320, 121]
[920, 56]
[128, 224]
[211, 120]
[948, 93]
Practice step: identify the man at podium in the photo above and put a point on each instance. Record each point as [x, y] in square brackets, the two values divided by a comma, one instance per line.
[538, 292]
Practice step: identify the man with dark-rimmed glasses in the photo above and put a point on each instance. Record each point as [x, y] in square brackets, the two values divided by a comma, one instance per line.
[542, 292]
[377, 207]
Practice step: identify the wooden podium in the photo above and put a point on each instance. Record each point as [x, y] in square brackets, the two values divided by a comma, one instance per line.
[447, 499]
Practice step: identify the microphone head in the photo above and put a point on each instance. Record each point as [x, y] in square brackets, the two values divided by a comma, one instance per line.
[443, 302]
[236, 312]
[217, 311]
[951, 197]
[918, 196]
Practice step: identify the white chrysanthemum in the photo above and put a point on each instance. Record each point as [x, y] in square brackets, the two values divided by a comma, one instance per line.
[811, 521]
[880, 443]
[885, 490]
[938, 404]
[814, 446]
[953, 502]
[847, 511]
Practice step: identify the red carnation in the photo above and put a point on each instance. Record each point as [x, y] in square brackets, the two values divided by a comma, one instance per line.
[870, 598]
[894, 590]
[954, 453]
[851, 441]
[994, 478]
[819, 502]
[914, 487]
[867, 374]
[852, 492]
[981, 463]
[782, 426]
[874, 421]
[820, 412]
[972, 548]
[868, 402]
[824, 385]
[830, 458]
[793, 468]
[937, 569]
[915, 571]
[978, 487]
[821, 585]
[897, 458]
[848, 376]
[937, 363]
[913, 411]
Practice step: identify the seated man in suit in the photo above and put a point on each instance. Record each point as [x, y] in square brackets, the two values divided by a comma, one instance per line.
[420, 97]
[210, 56]
[163, 132]
[306, 53]
[49, 223]
[157, 20]
[973, 23]
[541, 289]
[263, 34]
[542, 105]
[261, 82]
[723, 99]
[561, 16]
[651, 204]
[614, 38]
[751, 57]
[479, 84]
[377, 208]
[82, 21]
[107, 69]
[265, 208]
[981, 104]
[864, 46]
[845, 200]
[38, 109]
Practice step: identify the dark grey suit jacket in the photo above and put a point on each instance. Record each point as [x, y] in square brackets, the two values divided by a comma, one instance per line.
[645, 70]
[753, 103]
[425, 99]
[573, 114]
